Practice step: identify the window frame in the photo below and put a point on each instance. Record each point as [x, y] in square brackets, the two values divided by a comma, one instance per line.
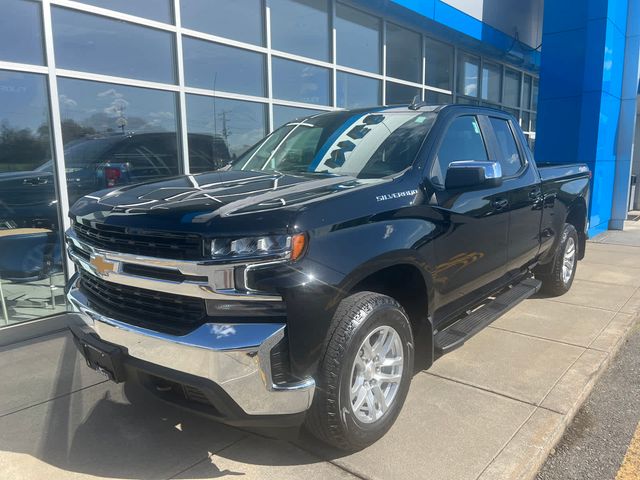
[442, 133]
[495, 148]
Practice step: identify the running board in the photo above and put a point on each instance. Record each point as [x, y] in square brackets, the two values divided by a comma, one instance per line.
[459, 332]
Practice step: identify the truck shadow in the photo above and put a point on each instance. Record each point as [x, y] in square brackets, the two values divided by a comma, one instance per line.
[114, 432]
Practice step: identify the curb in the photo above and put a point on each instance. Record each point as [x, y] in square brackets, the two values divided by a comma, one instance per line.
[529, 471]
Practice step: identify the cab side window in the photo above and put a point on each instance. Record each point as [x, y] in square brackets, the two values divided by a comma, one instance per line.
[462, 141]
[509, 155]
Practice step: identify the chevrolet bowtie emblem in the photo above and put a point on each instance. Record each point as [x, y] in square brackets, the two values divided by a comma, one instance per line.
[101, 265]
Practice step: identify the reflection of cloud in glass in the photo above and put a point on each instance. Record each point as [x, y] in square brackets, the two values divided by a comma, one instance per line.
[118, 103]
[67, 102]
[103, 107]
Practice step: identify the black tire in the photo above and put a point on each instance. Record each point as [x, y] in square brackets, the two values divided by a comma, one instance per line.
[331, 417]
[554, 282]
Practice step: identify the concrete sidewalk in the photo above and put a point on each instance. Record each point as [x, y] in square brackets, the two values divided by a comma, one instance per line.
[492, 409]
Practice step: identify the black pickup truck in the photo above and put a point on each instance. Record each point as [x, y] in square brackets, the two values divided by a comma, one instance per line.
[308, 280]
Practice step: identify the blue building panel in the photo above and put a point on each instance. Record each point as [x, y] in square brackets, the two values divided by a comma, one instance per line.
[584, 58]
[586, 48]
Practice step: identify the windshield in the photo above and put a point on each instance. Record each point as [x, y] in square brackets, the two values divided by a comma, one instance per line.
[363, 145]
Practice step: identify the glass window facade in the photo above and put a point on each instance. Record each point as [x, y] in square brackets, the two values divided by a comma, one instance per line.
[301, 82]
[526, 92]
[31, 268]
[357, 39]
[160, 10]
[282, 114]
[219, 130]
[404, 53]
[120, 75]
[116, 134]
[357, 91]
[223, 68]
[437, 98]
[91, 43]
[21, 32]
[438, 64]
[491, 82]
[512, 88]
[468, 69]
[240, 20]
[301, 27]
[397, 93]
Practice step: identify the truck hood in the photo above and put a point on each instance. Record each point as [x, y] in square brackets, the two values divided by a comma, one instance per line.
[236, 200]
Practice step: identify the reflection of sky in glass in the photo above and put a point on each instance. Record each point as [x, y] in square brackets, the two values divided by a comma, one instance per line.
[23, 100]
[358, 39]
[154, 9]
[241, 123]
[468, 76]
[103, 106]
[282, 114]
[236, 19]
[301, 27]
[21, 32]
[470, 79]
[96, 44]
[223, 68]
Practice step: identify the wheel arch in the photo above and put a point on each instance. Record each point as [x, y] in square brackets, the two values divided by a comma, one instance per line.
[406, 279]
[577, 216]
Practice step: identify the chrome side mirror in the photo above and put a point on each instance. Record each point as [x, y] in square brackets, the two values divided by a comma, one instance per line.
[472, 173]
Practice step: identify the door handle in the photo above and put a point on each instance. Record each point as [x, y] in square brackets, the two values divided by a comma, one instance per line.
[35, 181]
[535, 194]
[500, 204]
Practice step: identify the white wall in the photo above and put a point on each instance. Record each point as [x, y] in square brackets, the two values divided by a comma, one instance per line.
[507, 16]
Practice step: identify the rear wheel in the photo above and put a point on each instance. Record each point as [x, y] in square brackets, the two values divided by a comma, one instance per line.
[558, 276]
[365, 374]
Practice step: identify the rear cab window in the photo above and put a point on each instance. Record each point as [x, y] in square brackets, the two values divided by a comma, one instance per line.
[508, 153]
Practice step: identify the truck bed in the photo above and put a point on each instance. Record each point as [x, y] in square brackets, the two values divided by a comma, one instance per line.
[554, 171]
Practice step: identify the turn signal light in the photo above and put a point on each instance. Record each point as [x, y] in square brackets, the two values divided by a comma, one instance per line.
[298, 244]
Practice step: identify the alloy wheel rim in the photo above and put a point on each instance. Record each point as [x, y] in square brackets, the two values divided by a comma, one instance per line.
[569, 259]
[376, 374]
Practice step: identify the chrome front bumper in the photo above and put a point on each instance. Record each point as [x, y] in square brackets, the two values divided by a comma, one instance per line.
[237, 357]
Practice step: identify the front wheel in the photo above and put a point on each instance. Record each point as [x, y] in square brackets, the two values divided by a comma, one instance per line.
[365, 374]
[558, 276]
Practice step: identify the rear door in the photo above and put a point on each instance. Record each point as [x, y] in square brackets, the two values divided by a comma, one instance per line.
[471, 248]
[521, 179]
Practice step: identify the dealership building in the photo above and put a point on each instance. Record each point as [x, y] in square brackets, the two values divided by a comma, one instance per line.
[98, 93]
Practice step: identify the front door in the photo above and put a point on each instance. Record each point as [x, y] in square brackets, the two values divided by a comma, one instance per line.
[471, 245]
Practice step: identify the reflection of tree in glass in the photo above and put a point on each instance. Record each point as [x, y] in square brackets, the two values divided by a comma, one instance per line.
[22, 148]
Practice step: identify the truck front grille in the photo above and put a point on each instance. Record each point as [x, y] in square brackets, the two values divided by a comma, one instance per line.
[151, 244]
[162, 312]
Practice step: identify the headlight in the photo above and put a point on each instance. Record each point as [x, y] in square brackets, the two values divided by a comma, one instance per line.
[279, 246]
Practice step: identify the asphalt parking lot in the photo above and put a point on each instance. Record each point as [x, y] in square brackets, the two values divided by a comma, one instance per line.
[492, 409]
